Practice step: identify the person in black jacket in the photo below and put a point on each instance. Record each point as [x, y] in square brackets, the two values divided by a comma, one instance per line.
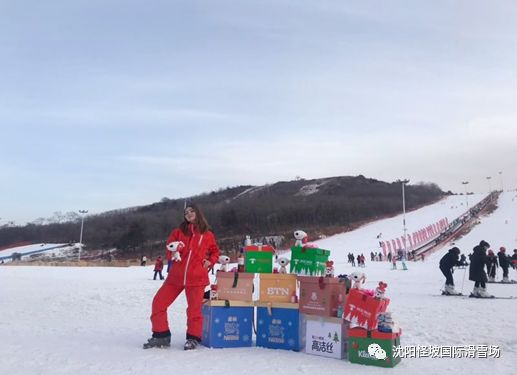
[514, 258]
[491, 266]
[477, 270]
[504, 263]
[463, 261]
[448, 261]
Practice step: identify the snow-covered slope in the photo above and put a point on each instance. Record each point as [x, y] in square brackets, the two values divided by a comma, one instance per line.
[365, 238]
[48, 249]
[56, 320]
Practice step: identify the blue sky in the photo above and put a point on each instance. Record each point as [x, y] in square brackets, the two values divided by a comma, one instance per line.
[109, 104]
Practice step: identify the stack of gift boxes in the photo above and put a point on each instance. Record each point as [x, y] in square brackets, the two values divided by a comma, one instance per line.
[372, 334]
[306, 310]
[228, 315]
[322, 299]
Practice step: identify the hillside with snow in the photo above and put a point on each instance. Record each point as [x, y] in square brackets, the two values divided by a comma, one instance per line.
[77, 320]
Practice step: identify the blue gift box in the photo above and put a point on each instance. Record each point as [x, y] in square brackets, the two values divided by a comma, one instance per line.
[278, 326]
[227, 324]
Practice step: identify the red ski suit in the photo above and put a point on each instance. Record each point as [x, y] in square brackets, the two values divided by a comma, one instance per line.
[158, 265]
[188, 274]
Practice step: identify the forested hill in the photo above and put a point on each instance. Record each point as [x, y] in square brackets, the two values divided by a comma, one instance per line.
[320, 206]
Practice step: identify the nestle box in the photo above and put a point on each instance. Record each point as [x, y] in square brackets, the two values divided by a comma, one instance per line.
[361, 309]
[361, 350]
[278, 326]
[321, 295]
[277, 287]
[235, 286]
[326, 337]
[227, 324]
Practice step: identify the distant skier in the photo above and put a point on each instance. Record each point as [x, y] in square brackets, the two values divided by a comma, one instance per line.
[351, 259]
[477, 272]
[514, 258]
[143, 261]
[463, 261]
[491, 266]
[448, 261]
[158, 267]
[402, 257]
[504, 263]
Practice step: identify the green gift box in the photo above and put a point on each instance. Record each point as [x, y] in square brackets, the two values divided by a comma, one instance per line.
[373, 348]
[308, 261]
[258, 259]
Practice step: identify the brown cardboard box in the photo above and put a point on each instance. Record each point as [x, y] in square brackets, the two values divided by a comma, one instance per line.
[277, 287]
[235, 286]
[321, 295]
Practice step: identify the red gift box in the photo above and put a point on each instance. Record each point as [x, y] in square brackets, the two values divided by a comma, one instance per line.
[374, 334]
[267, 248]
[361, 309]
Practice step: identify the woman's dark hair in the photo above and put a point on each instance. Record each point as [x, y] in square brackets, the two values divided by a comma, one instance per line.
[200, 222]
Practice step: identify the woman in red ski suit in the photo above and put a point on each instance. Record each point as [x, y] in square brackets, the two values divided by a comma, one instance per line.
[199, 254]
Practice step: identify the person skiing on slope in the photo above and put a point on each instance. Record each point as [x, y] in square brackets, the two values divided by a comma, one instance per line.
[504, 263]
[477, 272]
[491, 266]
[448, 261]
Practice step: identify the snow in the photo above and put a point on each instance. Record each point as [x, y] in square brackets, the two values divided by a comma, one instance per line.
[73, 320]
[251, 190]
[49, 249]
[310, 189]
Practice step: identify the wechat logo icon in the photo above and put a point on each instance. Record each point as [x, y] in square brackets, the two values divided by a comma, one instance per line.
[376, 351]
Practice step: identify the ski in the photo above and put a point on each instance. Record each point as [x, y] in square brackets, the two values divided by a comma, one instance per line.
[471, 296]
[492, 297]
[450, 294]
[502, 282]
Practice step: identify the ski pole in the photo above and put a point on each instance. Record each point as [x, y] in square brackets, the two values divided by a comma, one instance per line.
[463, 282]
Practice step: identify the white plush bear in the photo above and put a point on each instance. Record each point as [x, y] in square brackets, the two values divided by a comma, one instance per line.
[301, 237]
[283, 262]
[358, 278]
[174, 248]
[224, 260]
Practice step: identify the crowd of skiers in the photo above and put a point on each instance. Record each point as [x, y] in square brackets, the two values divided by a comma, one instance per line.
[360, 260]
[482, 257]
